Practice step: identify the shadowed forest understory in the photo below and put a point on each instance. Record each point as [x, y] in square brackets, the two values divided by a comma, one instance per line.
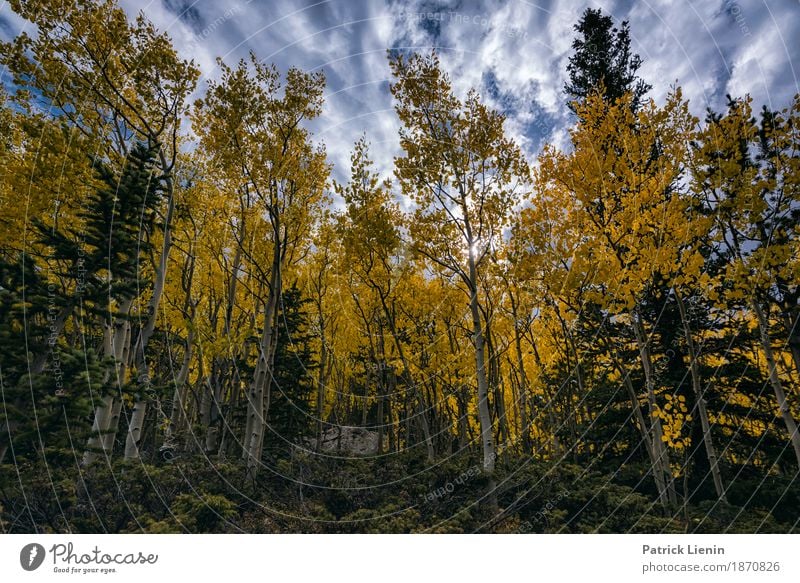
[201, 330]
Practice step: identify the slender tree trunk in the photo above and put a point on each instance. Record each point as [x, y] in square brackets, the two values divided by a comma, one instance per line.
[514, 384]
[662, 455]
[234, 389]
[178, 412]
[422, 415]
[463, 420]
[410, 382]
[503, 431]
[107, 440]
[102, 418]
[381, 379]
[116, 345]
[701, 401]
[102, 412]
[380, 411]
[792, 320]
[122, 352]
[484, 412]
[775, 381]
[644, 429]
[365, 396]
[258, 397]
[322, 380]
[206, 404]
[523, 382]
[140, 407]
[135, 430]
[554, 444]
[214, 428]
[391, 379]
[137, 417]
[494, 379]
[231, 352]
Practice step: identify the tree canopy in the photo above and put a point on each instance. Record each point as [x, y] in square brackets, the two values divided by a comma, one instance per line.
[201, 330]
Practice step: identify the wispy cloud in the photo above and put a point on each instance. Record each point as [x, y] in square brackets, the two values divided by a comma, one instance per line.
[513, 51]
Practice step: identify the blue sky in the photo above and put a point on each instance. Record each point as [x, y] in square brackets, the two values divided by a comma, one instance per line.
[513, 51]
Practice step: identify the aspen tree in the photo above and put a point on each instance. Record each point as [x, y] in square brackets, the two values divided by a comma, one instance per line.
[753, 201]
[116, 82]
[463, 173]
[253, 132]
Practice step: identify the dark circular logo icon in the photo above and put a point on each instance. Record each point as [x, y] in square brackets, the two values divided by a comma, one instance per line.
[31, 556]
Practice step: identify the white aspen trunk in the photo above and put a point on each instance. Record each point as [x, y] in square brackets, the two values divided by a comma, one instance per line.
[250, 396]
[701, 401]
[122, 346]
[116, 344]
[523, 381]
[108, 339]
[381, 384]
[644, 427]
[257, 399]
[775, 381]
[514, 386]
[322, 380]
[137, 417]
[102, 412]
[659, 448]
[102, 417]
[655, 463]
[135, 430]
[234, 385]
[268, 388]
[116, 410]
[107, 439]
[178, 412]
[140, 406]
[484, 415]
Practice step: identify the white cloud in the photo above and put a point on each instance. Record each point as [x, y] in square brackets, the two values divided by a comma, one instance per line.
[513, 51]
